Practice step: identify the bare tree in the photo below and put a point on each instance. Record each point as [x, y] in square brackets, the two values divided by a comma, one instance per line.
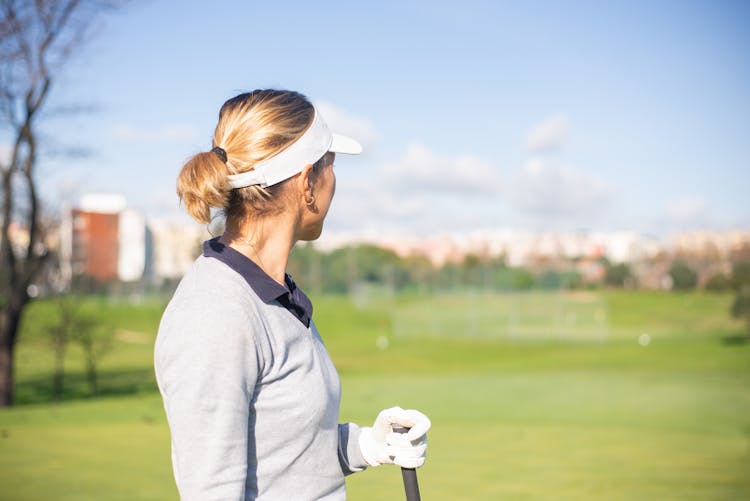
[37, 39]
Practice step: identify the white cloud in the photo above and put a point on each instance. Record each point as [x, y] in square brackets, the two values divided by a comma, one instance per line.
[362, 203]
[546, 187]
[549, 135]
[410, 192]
[688, 210]
[163, 134]
[342, 122]
[422, 170]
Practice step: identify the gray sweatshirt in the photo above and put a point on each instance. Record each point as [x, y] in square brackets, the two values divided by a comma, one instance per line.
[250, 392]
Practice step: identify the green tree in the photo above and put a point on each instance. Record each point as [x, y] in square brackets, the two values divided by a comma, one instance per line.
[520, 279]
[741, 306]
[473, 270]
[421, 272]
[683, 276]
[741, 284]
[451, 276]
[306, 267]
[550, 280]
[381, 266]
[617, 275]
[740, 274]
[571, 279]
[719, 282]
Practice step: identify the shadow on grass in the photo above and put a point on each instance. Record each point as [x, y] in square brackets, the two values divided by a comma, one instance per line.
[737, 339]
[76, 386]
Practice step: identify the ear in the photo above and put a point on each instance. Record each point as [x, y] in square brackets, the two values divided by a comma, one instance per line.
[304, 182]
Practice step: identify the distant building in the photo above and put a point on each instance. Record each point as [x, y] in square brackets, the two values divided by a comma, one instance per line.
[94, 243]
[103, 239]
[135, 252]
[175, 246]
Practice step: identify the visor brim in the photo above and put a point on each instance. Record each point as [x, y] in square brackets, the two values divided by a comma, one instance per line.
[345, 144]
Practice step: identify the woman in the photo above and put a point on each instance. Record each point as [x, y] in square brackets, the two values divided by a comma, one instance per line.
[250, 393]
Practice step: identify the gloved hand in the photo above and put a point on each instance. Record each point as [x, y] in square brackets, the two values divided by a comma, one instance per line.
[381, 445]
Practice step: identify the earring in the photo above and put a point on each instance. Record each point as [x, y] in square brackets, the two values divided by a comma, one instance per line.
[311, 201]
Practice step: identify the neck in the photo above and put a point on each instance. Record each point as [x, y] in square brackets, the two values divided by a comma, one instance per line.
[268, 249]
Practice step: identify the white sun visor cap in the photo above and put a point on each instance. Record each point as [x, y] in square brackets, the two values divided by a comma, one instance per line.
[308, 149]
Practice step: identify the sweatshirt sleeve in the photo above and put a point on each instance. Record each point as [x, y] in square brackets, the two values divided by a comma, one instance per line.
[350, 455]
[206, 366]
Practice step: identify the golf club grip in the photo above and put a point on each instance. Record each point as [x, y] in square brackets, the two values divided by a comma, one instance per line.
[409, 475]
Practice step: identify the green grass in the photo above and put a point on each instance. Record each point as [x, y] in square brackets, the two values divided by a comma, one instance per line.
[526, 418]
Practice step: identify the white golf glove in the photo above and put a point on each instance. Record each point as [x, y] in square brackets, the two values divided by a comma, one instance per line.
[381, 445]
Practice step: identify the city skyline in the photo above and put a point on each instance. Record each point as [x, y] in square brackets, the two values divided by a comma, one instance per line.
[102, 241]
[543, 117]
[174, 241]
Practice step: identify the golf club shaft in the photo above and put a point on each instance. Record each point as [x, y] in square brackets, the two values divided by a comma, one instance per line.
[410, 484]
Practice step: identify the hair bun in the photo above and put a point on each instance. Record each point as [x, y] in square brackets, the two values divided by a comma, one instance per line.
[202, 184]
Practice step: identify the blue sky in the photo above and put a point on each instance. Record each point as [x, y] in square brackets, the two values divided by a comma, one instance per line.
[532, 115]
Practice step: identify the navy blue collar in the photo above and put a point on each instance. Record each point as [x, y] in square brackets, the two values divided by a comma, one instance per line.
[268, 290]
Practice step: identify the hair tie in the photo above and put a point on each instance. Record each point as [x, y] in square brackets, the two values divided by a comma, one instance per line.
[219, 151]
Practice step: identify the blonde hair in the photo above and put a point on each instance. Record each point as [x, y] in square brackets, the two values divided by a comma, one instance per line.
[252, 127]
